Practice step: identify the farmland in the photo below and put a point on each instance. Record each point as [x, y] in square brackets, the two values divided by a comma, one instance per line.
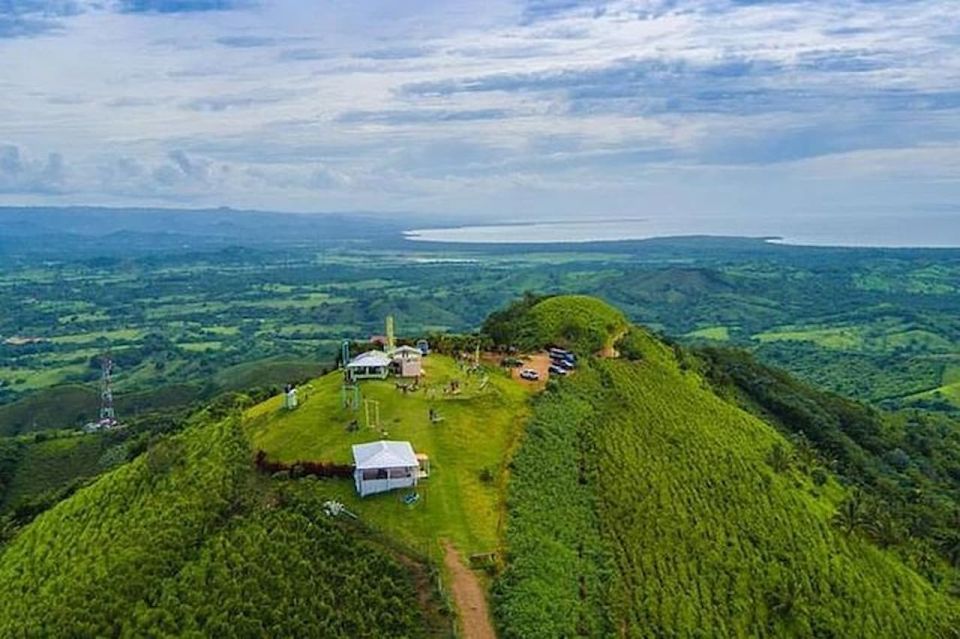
[190, 317]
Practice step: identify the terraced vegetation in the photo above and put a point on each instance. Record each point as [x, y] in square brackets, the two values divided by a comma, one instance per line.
[641, 504]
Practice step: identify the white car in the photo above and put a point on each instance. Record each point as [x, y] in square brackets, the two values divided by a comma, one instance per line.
[530, 374]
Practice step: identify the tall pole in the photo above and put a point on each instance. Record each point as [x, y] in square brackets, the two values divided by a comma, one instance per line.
[391, 340]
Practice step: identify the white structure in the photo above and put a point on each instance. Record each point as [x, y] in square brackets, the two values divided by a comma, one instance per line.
[406, 361]
[370, 365]
[384, 465]
[290, 398]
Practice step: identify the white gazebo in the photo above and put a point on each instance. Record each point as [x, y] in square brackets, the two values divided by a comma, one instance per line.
[384, 465]
[370, 365]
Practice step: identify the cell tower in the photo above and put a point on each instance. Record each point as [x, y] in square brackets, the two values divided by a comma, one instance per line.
[107, 413]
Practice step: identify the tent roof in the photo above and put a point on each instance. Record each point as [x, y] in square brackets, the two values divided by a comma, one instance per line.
[384, 454]
[370, 359]
[406, 349]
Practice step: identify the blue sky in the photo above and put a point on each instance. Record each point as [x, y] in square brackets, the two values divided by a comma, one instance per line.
[501, 109]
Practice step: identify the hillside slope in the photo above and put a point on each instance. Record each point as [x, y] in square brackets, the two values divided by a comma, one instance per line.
[184, 540]
[643, 505]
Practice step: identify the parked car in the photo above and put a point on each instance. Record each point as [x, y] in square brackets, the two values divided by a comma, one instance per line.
[511, 362]
[556, 370]
[529, 374]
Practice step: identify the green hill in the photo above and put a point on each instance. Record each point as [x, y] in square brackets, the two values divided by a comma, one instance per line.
[184, 540]
[641, 504]
[633, 498]
[582, 323]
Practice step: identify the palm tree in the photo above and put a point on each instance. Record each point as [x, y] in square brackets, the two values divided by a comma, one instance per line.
[852, 514]
[779, 458]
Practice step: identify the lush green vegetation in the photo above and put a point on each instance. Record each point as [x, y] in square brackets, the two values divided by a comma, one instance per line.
[908, 463]
[582, 323]
[644, 505]
[182, 541]
[217, 318]
[468, 449]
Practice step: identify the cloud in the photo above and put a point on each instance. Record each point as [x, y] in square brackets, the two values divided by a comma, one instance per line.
[182, 6]
[393, 53]
[246, 41]
[218, 103]
[303, 54]
[28, 18]
[19, 174]
[420, 116]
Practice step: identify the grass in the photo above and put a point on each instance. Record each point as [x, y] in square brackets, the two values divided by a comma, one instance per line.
[129, 334]
[476, 435]
[715, 333]
[837, 338]
[52, 464]
[643, 505]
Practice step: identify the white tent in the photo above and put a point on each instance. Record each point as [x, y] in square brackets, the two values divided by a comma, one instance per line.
[384, 465]
[372, 364]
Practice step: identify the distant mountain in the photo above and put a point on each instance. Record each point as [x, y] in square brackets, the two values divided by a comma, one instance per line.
[106, 231]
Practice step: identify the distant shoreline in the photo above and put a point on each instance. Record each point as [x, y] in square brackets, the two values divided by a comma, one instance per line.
[898, 233]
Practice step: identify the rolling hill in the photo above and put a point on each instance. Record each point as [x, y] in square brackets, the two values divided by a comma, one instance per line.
[632, 498]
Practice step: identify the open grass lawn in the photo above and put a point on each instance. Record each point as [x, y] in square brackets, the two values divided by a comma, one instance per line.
[715, 333]
[458, 502]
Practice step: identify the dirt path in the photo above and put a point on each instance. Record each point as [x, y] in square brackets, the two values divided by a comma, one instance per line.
[609, 351]
[469, 597]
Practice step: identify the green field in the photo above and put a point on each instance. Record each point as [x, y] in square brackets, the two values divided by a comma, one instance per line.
[469, 449]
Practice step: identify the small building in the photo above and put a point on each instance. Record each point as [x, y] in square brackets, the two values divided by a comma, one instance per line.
[370, 365]
[406, 361]
[384, 465]
[290, 397]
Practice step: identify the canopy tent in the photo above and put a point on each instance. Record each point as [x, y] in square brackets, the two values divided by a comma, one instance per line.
[384, 465]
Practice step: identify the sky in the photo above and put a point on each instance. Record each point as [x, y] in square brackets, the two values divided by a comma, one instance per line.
[493, 109]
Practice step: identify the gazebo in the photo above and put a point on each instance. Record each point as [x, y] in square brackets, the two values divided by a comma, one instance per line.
[370, 365]
[384, 465]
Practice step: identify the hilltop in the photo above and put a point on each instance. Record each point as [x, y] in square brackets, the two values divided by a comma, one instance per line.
[637, 496]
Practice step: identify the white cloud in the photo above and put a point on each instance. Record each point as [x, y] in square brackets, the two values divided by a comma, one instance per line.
[458, 105]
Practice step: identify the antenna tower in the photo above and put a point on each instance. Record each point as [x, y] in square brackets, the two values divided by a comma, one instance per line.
[107, 412]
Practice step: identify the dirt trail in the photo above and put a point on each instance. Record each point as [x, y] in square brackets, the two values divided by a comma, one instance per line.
[469, 597]
[609, 351]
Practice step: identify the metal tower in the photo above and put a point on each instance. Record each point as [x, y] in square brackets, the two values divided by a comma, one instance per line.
[107, 412]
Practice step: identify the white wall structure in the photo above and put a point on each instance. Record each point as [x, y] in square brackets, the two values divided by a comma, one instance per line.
[384, 465]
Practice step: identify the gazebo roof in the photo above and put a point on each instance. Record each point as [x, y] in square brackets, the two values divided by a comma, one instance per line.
[384, 454]
[370, 359]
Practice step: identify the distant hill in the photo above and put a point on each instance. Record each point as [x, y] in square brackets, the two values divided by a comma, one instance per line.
[88, 231]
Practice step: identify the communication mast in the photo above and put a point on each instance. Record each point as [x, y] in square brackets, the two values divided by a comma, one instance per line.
[108, 416]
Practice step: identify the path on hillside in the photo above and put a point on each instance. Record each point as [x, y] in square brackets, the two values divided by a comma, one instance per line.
[469, 597]
[610, 350]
